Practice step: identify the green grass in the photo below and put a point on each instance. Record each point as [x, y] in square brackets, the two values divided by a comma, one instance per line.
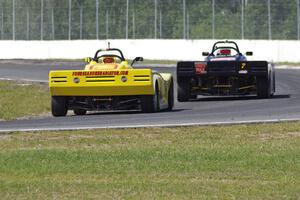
[18, 99]
[292, 64]
[223, 162]
[165, 62]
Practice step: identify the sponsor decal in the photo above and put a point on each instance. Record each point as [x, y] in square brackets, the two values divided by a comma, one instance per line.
[243, 72]
[100, 73]
[200, 68]
[223, 58]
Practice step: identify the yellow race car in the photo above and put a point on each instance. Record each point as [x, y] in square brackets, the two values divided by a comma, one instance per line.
[108, 82]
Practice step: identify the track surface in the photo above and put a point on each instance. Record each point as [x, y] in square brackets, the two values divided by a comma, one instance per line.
[285, 105]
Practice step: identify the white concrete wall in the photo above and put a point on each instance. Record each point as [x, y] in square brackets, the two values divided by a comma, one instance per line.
[277, 51]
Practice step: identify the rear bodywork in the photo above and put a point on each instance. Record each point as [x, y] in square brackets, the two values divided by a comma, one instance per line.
[109, 90]
[225, 75]
[101, 83]
[109, 86]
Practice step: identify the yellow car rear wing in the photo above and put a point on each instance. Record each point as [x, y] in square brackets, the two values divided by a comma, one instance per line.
[101, 82]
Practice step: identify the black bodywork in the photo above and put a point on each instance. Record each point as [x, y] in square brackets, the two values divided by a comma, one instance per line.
[234, 76]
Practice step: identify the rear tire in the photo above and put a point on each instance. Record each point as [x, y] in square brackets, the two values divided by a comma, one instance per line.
[274, 85]
[79, 111]
[150, 103]
[183, 91]
[171, 96]
[263, 87]
[59, 106]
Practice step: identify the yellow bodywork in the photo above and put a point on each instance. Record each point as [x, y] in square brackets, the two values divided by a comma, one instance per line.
[102, 79]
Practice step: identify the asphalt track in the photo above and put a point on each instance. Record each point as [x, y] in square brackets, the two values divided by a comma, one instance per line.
[284, 106]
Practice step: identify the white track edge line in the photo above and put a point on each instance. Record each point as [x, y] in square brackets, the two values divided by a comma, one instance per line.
[150, 126]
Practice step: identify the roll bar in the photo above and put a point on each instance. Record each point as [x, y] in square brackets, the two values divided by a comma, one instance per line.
[225, 42]
[110, 49]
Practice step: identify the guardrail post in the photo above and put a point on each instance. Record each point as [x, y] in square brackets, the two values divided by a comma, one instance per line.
[127, 10]
[155, 18]
[133, 24]
[70, 19]
[28, 21]
[184, 19]
[52, 23]
[298, 20]
[42, 19]
[160, 24]
[97, 19]
[14, 34]
[242, 20]
[269, 19]
[213, 19]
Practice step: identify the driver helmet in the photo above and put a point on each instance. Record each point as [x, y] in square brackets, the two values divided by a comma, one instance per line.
[108, 60]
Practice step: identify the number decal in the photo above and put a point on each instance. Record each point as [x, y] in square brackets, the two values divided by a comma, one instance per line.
[243, 66]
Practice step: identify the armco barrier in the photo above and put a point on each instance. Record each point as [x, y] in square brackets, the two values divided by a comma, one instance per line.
[275, 50]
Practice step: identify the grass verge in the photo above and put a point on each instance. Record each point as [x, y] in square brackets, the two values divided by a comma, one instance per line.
[19, 99]
[291, 64]
[224, 162]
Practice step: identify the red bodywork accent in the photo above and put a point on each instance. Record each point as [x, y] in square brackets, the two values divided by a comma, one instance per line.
[225, 51]
[200, 68]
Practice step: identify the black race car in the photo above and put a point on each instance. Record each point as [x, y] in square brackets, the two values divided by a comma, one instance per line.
[225, 71]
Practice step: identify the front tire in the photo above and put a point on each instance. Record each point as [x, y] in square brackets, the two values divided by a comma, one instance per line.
[150, 103]
[59, 106]
[183, 90]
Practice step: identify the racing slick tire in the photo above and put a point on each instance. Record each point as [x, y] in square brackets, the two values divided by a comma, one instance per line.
[171, 97]
[79, 111]
[263, 87]
[150, 103]
[59, 106]
[183, 90]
